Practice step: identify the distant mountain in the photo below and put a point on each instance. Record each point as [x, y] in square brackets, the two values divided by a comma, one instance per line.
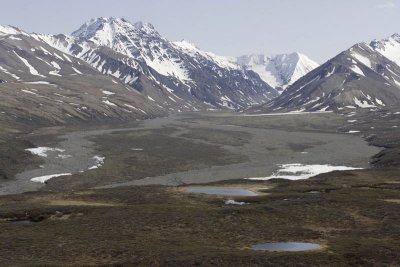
[389, 47]
[279, 71]
[177, 76]
[360, 77]
[43, 85]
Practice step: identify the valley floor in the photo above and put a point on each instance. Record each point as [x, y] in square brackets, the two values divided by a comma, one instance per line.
[133, 209]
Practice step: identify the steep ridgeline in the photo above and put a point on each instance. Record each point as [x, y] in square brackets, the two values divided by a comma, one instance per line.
[176, 75]
[359, 77]
[40, 84]
[389, 47]
[279, 71]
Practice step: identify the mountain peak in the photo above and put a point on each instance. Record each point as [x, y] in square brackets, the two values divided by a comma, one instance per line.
[396, 37]
[388, 47]
[5, 30]
[377, 44]
[280, 70]
[105, 30]
[258, 59]
[184, 44]
[146, 26]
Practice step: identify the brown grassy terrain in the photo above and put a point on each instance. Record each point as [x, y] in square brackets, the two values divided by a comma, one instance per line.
[353, 214]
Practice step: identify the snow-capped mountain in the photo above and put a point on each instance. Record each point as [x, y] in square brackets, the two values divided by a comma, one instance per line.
[279, 71]
[389, 47]
[359, 77]
[43, 85]
[176, 75]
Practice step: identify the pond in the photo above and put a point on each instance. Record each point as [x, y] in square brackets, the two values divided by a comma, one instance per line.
[22, 222]
[225, 191]
[287, 246]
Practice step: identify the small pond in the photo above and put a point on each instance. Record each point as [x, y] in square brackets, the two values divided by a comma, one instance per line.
[225, 191]
[286, 246]
[22, 222]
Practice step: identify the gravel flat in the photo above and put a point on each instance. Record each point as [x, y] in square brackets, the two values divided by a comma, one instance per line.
[265, 150]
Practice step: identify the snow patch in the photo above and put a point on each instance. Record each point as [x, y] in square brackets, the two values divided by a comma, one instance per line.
[42, 151]
[233, 202]
[107, 92]
[357, 70]
[63, 156]
[287, 113]
[99, 161]
[77, 71]
[9, 73]
[297, 171]
[43, 179]
[55, 73]
[362, 59]
[363, 104]
[32, 70]
[55, 65]
[109, 103]
[28, 92]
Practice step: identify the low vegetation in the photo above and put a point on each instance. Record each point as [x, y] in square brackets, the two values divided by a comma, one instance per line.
[352, 214]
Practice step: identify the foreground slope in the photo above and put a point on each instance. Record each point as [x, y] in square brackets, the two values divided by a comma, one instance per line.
[352, 214]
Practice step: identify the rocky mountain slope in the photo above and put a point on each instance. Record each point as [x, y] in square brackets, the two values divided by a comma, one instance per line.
[43, 85]
[389, 47]
[176, 76]
[360, 77]
[279, 71]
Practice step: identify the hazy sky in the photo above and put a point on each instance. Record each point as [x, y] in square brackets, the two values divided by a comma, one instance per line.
[318, 28]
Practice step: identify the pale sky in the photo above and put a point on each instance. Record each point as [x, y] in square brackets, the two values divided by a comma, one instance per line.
[319, 28]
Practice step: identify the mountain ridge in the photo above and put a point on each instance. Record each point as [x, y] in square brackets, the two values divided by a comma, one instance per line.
[359, 77]
[388, 47]
[185, 71]
[43, 85]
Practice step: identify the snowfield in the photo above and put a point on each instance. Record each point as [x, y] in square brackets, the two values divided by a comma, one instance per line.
[99, 161]
[297, 171]
[286, 113]
[42, 151]
[43, 179]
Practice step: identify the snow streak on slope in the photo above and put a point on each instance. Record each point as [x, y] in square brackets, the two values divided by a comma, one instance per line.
[32, 70]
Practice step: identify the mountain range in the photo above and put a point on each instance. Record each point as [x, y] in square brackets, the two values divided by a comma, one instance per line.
[364, 76]
[176, 75]
[112, 69]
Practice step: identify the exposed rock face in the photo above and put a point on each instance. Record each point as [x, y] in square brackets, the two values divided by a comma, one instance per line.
[359, 77]
[183, 76]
